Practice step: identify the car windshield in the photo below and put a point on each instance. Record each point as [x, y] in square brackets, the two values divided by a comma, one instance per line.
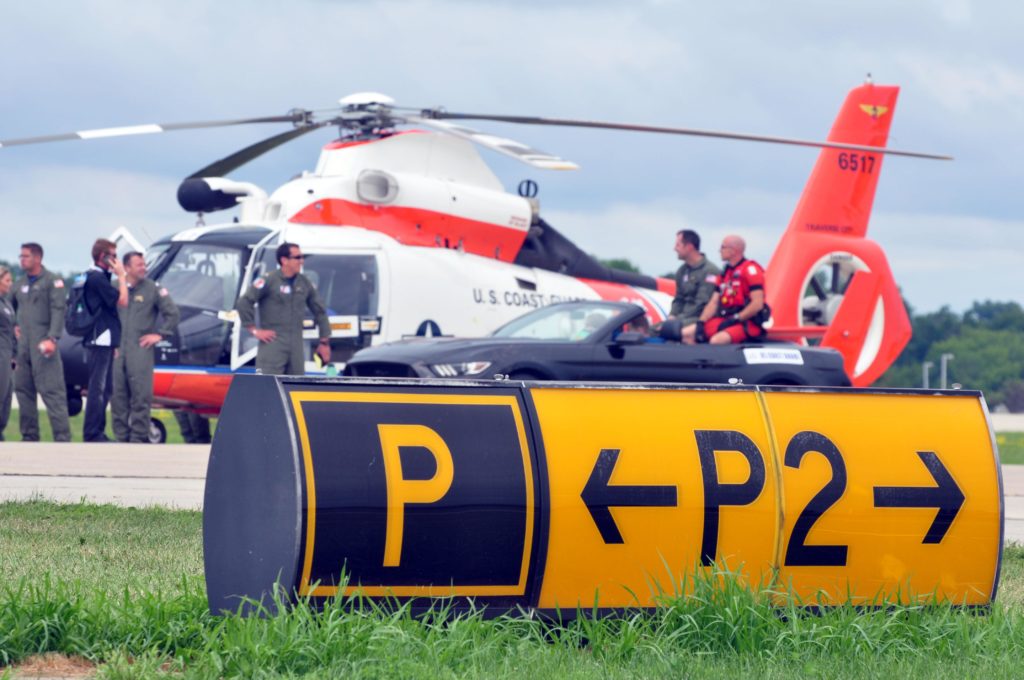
[204, 276]
[569, 323]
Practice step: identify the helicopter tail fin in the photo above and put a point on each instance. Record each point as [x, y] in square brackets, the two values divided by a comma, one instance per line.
[825, 270]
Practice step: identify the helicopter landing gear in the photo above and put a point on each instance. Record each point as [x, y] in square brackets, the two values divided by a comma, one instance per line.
[157, 431]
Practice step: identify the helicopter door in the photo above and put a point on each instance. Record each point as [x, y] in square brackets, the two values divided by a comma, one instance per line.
[349, 286]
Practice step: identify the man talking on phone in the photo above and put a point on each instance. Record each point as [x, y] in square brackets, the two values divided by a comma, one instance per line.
[102, 299]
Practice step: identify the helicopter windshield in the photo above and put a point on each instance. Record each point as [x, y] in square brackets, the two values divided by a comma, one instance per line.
[155, 255]
[204, 276]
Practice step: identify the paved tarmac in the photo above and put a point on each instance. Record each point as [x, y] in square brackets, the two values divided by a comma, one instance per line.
[139, 475]
[173, 475]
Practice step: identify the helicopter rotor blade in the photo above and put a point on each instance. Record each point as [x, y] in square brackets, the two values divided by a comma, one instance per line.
[297, 117]
[509, 147]
[227, 164]
[436, 114]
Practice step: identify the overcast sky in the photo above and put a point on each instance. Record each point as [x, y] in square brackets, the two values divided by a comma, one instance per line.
[954, 232]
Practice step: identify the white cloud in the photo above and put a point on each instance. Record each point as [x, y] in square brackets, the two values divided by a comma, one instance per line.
[953, 259]
[777, 68]
[969, 85]
[66, 209]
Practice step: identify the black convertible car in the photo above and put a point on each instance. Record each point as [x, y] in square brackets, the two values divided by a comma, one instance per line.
[593, 341]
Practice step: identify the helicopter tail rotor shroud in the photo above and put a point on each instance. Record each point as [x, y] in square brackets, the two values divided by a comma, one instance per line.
[825, 266]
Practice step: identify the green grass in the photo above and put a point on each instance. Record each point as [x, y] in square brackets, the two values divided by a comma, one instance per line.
[1011, 447]
[13, 433]
[123, 588]
[101, 547]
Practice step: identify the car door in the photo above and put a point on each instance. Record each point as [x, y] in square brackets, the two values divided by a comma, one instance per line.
[664, 362]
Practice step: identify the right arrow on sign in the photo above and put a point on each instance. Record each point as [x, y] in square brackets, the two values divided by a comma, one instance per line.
[947, 497]
[599, 496]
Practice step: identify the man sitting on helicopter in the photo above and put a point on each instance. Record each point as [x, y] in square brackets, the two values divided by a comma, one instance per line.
[737, 310]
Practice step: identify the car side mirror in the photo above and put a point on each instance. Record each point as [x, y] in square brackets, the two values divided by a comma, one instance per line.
[630, 338]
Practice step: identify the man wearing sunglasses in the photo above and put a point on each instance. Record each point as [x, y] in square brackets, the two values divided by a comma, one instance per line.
[281, 298]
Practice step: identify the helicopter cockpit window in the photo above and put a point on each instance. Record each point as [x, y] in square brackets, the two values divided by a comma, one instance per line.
[204, 276]
[155, 255]
[347, 283]
[266, 262]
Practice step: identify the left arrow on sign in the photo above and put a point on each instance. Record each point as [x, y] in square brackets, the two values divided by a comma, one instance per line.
[947, 497]
[599, 496]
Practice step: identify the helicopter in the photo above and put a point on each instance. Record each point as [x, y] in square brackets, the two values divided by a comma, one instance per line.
[407, 231]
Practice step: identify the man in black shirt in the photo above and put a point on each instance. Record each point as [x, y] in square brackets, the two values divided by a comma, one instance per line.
[102, 299]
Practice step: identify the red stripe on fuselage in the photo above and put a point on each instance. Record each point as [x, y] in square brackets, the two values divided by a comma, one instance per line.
[348, 144]
[205, 391]
[666, 286]
[618, 292]
[417, 227]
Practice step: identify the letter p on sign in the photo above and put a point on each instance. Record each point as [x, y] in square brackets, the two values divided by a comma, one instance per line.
[402, 491]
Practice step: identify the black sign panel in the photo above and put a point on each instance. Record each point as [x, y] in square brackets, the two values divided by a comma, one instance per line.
[413, 495]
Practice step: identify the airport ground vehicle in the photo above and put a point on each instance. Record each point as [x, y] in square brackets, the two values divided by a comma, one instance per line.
[591, 341]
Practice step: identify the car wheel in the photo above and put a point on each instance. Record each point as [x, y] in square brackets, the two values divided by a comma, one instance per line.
[157, 431]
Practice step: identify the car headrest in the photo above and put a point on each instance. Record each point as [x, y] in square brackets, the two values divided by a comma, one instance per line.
[671, 329]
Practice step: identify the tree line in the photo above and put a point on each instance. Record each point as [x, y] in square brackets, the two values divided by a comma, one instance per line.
[987, 342]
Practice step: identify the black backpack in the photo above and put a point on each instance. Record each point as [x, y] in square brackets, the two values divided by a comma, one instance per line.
[79, 320]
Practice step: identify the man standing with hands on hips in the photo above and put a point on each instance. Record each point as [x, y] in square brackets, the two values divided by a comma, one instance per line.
[39, 302]
[283, 296]
[133, 365]
[103, 300]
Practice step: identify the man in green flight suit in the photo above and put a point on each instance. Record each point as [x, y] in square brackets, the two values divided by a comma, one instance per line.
[696, 280]
[283, 296]
[133, 366]
[39, 302]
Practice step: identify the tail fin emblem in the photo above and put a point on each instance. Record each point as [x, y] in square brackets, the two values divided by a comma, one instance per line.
[873, 110]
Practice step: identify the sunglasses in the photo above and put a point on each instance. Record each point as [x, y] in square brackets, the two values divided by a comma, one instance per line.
[296, 257]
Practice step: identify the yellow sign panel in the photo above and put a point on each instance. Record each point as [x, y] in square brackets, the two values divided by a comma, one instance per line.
[645, 485]
[894, 496]
[558, 498]
[827, 496]
[388, 478]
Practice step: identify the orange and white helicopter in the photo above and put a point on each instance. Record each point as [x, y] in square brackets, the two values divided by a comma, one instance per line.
[409, 232]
